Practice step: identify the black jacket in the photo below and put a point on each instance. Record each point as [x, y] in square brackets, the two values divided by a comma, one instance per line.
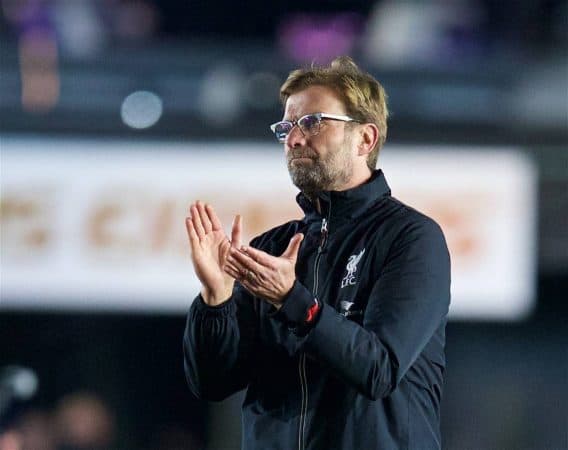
[368, 374]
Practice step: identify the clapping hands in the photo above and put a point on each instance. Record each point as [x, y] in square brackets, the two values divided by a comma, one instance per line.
[218, 261]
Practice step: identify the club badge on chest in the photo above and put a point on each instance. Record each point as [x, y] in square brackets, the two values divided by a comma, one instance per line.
[350, 277]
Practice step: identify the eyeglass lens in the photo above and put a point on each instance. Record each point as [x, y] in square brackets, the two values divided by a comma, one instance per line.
[308, 124]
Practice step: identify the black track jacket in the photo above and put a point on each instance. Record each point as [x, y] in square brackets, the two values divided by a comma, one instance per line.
[368, 374]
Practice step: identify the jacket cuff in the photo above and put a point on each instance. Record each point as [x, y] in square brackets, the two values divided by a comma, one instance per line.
[294, 310]
[222, 310]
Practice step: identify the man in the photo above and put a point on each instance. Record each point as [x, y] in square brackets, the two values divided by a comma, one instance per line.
[334, 323]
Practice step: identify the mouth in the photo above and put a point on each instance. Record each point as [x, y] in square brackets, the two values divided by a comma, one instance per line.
[300, 162]
[300, 158]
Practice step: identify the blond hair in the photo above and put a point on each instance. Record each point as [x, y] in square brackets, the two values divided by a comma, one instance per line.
[364, 98]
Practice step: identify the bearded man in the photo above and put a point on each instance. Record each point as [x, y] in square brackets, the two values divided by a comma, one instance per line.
[334, 324]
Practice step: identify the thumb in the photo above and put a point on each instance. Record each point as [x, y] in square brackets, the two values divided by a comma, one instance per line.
[237, 231]
[291, 251]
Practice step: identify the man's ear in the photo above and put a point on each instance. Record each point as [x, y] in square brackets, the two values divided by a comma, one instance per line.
[368, 137]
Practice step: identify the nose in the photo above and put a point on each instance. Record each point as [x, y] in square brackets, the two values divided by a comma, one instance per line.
[295, 138]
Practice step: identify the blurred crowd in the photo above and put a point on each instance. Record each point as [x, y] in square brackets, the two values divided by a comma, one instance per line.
[80, 420]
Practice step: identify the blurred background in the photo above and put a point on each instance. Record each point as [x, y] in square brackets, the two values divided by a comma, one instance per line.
[116, 114]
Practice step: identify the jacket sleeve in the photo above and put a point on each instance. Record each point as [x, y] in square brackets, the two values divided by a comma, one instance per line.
[217, 345]
[408, 303]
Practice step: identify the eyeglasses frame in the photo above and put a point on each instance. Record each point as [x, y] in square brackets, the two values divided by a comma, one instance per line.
[320, 116]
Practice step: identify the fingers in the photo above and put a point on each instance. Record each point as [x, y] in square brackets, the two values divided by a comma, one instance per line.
[224, 249]
[207, 225]
[242, 261]
[247, 278]
[262, 258]
[291, 251]
[204, 219]
[236, 231]
[233, 271]
[196, 220]
[250, 286]
[215, 222]
[193, 237]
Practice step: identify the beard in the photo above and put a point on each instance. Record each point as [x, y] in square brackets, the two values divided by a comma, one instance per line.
[317, 174]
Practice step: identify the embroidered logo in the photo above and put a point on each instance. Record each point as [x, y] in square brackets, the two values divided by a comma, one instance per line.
[349, 279]
[346, 309]
[345, 305]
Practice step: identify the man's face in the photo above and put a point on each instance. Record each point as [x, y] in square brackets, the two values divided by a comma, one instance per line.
[325, 161]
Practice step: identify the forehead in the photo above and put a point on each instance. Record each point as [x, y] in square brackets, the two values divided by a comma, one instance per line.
[311, 100]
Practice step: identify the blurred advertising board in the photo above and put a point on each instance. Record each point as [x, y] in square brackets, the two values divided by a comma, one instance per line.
[98, 225]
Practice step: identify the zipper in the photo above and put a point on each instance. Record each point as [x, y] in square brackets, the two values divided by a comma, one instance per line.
[302, 361]
[323, 240]
[304, 408]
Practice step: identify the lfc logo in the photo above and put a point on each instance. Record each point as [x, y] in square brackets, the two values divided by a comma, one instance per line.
[349, 279]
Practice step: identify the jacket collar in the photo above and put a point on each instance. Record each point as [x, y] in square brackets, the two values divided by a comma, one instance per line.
[342, 206]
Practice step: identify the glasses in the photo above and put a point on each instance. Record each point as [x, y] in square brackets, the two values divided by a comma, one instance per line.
[309, 124]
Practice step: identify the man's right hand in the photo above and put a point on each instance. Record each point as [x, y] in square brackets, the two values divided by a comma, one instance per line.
[209, 250]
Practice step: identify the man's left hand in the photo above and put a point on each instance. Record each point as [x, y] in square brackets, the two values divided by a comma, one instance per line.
[264, 275]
